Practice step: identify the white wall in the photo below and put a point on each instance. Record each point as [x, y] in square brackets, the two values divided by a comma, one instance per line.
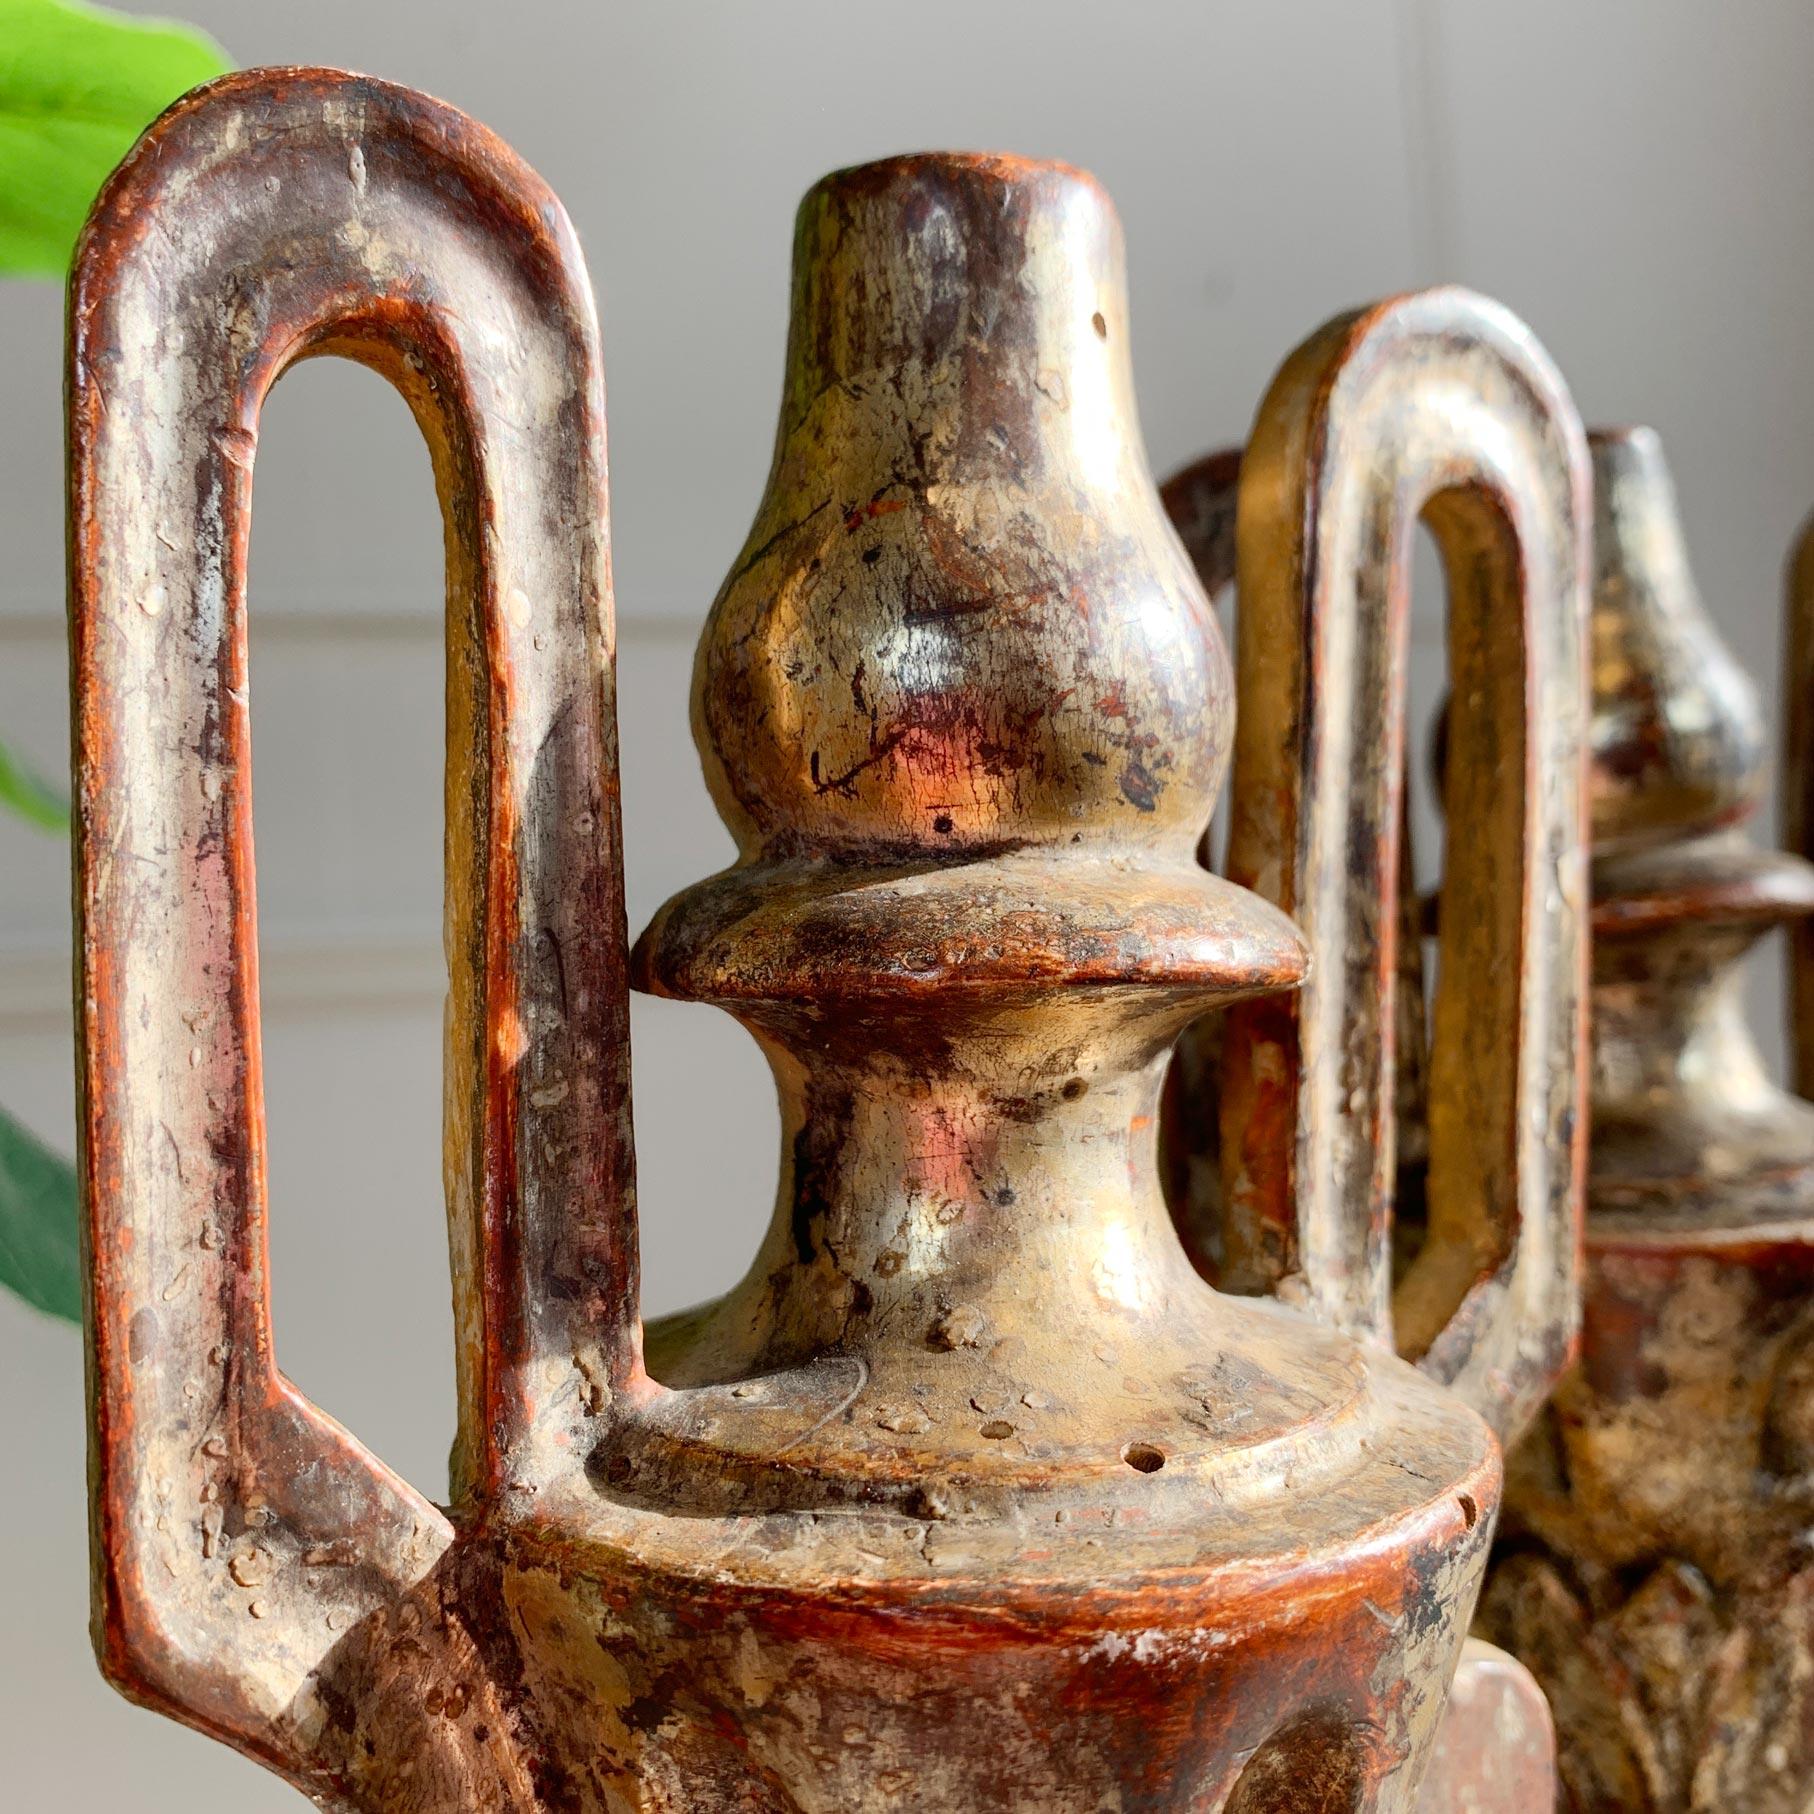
[1632, 177]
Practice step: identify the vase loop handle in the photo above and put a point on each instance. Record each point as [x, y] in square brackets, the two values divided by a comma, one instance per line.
[277, 214]
[1437, 407]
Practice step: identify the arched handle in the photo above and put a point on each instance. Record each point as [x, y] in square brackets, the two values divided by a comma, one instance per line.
[1201, 500]
[1437, 406]
[239, 1533]
[1797, 791]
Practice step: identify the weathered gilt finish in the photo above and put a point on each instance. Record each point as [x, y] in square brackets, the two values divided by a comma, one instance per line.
[973, 1495]
[1323, 708]
[257, 1572]
[1488, 1240]
[1469, 429]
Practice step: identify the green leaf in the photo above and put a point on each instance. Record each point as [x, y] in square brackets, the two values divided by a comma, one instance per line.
[29, 795]
[78, 84]
[40, 1255]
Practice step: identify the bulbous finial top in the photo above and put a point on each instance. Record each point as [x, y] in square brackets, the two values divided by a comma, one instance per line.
[1678, 742]
[961, 621]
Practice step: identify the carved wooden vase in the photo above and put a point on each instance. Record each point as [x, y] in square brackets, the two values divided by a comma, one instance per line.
[1654, 1567]
[972, 1495]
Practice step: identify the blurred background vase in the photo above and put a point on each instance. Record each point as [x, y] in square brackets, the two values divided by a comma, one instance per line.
[1653, 1565]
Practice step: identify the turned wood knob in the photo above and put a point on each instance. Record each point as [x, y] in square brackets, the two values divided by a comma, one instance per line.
[960, 620]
